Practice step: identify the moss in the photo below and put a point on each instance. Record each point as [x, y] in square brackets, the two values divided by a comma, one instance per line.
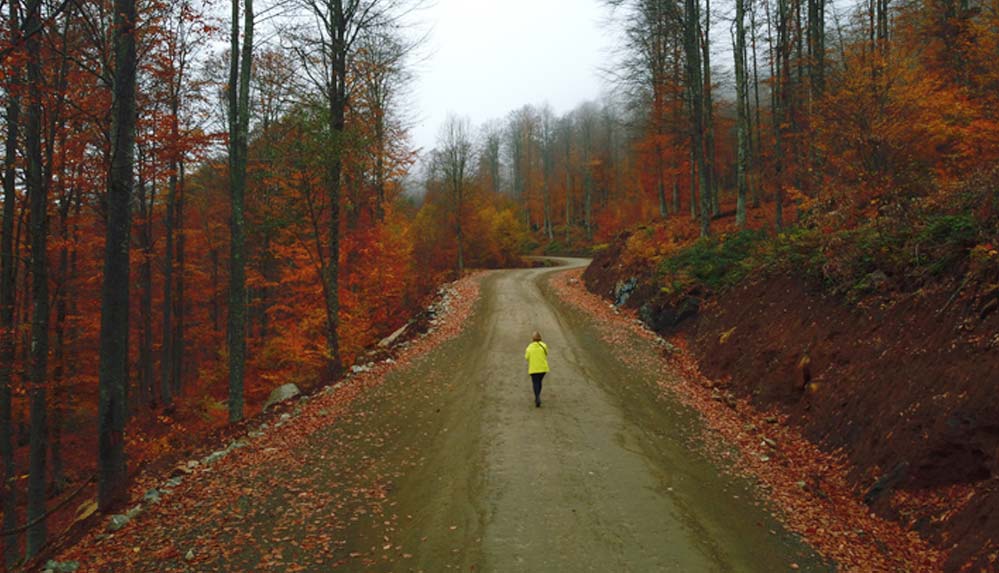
[715, 263]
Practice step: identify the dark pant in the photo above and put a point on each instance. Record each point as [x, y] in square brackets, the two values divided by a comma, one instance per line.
[536, 380]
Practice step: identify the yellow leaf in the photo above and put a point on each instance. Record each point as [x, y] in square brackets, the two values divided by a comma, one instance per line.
[725, 335]
[86, 509]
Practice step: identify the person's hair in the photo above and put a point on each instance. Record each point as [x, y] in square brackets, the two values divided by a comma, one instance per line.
[537, 336]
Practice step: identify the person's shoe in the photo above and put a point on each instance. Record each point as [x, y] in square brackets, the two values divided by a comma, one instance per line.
[537, 403]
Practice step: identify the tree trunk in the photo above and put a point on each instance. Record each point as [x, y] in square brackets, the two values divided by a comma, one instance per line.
[239, 118]
[461, 239]
[568, 185]
[693, 181]
[59, 394]
[695, 84]
[742, 113]
[114, 301]
[660, 168]
[166, 346]
[178, 341]
[781, 105]
[337, 99]
[380, 165]
[587, 182]
[546, 191]
[147, 390]
[709, 176]
[38, 200]
[7, 328]
[758, 147]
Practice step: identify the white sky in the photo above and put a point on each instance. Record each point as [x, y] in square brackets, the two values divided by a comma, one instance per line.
[486, 58]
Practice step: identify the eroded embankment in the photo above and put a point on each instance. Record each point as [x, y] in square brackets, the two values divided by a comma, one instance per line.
[903, 386]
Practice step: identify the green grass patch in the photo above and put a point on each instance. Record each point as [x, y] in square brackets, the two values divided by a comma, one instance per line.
[715, 263]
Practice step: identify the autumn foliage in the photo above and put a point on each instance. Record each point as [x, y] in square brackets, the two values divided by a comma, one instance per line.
[394, 250]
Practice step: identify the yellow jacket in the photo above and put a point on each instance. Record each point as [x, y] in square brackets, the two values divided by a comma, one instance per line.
[537, 357]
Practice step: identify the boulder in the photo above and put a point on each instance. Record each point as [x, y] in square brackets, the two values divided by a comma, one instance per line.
[623, 290]
[282, 394]
[118, 521]
[390, 339]
[61, 566]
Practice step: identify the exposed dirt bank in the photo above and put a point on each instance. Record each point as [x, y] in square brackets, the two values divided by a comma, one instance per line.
[904, 386]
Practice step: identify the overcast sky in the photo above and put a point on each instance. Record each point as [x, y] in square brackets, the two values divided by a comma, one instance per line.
[485, 58]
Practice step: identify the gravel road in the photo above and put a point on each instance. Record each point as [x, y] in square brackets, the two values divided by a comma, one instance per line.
[602, 477]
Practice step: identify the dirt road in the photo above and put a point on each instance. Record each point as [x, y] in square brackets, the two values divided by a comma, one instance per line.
[447, 465]
[600, 478]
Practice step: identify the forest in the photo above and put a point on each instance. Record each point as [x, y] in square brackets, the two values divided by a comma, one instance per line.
[204, 201]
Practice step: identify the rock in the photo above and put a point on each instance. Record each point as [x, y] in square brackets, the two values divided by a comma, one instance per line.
[390, 339]
[190, 555]
[801, 485]
[764, 458]
[62, 566]
[285, 417]
[623, 290]
[117, 522]
[770, 419]
[749, 427]
[887, 482]
[175, 481]
[193, 464]
[134, 512]
[282, 394]
[152, 496]
[769, 442]
[214, 457]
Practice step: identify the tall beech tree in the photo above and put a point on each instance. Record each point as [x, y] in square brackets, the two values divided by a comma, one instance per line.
[741, 112]
[115, 291]
[328, 52]
[240, 67]
[454, 159]
[37, 189]
[8, 489]
[695, 92]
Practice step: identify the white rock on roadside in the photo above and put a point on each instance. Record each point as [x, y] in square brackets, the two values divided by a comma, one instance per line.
[282, 394]
[152, 496]
[117, 522]
[53, 566]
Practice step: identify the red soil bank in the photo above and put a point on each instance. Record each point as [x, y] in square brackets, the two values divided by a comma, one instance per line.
[906, 386]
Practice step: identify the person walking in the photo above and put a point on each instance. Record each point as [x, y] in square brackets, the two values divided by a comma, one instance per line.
[537, 364]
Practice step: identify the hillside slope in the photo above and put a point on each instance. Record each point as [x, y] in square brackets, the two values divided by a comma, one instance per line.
[899, 378]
